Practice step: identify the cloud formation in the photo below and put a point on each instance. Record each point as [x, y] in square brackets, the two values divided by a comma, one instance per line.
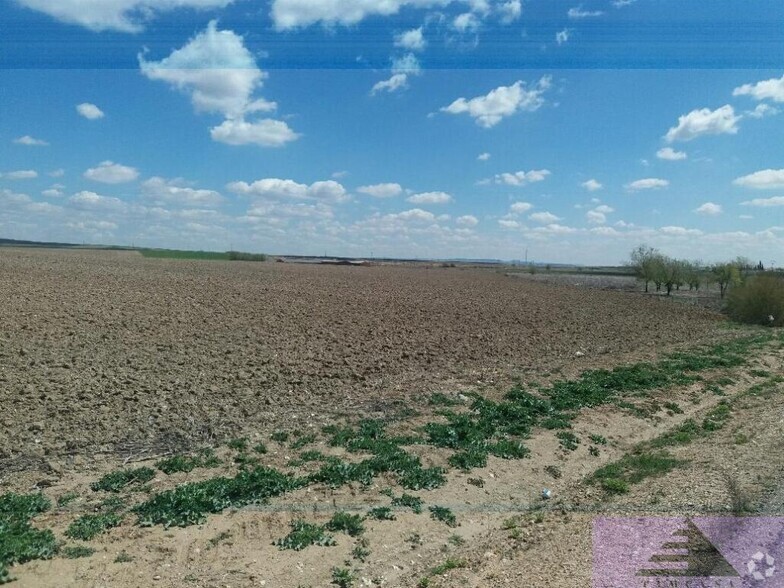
[704, 121]
[504, 101]
[109, 172]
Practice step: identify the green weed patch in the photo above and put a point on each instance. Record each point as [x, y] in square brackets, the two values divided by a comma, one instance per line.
[119, 480]
[87, 527]
[20, 542]
[304, 535]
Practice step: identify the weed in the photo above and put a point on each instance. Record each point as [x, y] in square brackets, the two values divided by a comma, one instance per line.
[636, 467]
[443, 514]
[687, 432]
[615, 485]
[312, 455]
[717, 417]
[77, 551]
[348, 523]
[456, 540]
[568, 440]
[439, 399]
[219, 538]
[123, 557]
[246, 461]
[741, 439]
[87, 527]
[508, 449]
[304, 535]
[381, 513]
[67, 499]
[469, 459]
[361, 551]
[673, 407]
[598, 439]
[280, 436]
[414, 540]
[593, 451]
[424, 582]
[410, 501]
[116, 481]
[260, 448]
[238, 444]
[449, 564]
[510, 523]
[342, 577]
[478, 482]
[553, 471]
[741, 502]
[19, 541]
[303, 440]
[187, 463]
[190, 503]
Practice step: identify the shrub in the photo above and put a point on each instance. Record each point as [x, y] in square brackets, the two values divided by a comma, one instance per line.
[759, 298]
[116, 481]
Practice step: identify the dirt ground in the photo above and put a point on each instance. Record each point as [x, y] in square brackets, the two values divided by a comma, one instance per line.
[107, 350]
[109, 359]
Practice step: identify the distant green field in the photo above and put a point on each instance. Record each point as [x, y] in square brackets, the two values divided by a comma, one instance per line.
[202, 255]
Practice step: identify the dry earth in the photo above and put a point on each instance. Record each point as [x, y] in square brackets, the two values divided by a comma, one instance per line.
[108, 356]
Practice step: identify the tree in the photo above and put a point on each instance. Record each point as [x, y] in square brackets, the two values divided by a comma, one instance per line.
[644, 262]
[725, 274]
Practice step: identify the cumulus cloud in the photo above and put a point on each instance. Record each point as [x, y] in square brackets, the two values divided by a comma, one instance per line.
[592, 185]
[266, 132]
[396, 82]
[772, 89]
[544, 218]
[502, 102]
[466, 22]
[22, 174]
[89, 111]
[278, 189]
[510, 11]
[766, 179]
[402, 68]
[647, 184]
[520, 207]
[704, 121]
[765, 202]
[221, 76]
[413, 40]
[522, 178]
[53, 192]
[580, 12]
[709, 209]
[509, 224]
[177, 192]
[596, 217]
[762, 110]
[680, 231]
[91, 201]
[670, 154]
[430, 198]
[467, 220]
[562, 37]
[386, 190]
[127, 16]
[483, 156]
[415, 214]
[29, 141]
[604, 209]
[300, 13]
[109, 172]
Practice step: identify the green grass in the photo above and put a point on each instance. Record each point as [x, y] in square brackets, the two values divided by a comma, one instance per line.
[89, 526]
[304, 535]
[66, 499]
[443, 514]
[189, 504]
[202, 255]
[342, 577]
[119, 480]
[408, 501]
[188, 463]
[351, 524]
[123, 557]
[381, 513]
[280, 436]
[20, 542]
[568, 440]
[634, 468]
[238, 444]
[77, 551]
[450, 564]
[303, 440]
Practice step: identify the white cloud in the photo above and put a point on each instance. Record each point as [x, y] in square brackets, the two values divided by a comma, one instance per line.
[412, 40]
[596, 217]
[221, 75]
[396, 82]
[709, 209]
[278, 189]
[467, 220]
[300, 13]
[622, 3]
[109, 172]
[680, 231]
[502, 102]
[29, 141]
[522, 178]
[430, 198]
[22, 174]
[119, 15]
[772, 89]
[604, 209]
[466, 22]
[766, 179]
[765, 202]
[266, 132]
[510, 11]
[483, 156]
[562, 37]
[57, 173]
[520, 207]
[415, 214]
[387, 190]
[762, 110]
[89, 111]
[580, 12]
[52, 192]
[555, 229]
[509, 224]
[92, 201]
[647, 184]
[178, 193]
[592, 185]
[544, 218]
[704, 122]
[669, 154]
[43, 208]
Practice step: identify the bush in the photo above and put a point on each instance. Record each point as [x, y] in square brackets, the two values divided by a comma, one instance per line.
[759, 298]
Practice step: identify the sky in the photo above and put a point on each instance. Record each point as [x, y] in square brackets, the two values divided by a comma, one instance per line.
[570, 131]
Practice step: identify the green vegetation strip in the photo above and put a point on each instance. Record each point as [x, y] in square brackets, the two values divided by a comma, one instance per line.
[19, 541]
[202, 255]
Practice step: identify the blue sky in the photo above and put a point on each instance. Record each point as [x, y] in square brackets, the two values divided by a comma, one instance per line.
[413, 128]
